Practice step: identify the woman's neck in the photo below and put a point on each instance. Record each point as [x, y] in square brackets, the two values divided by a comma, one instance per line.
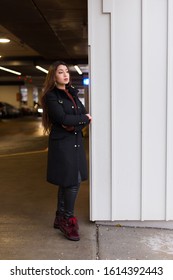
[59, 86]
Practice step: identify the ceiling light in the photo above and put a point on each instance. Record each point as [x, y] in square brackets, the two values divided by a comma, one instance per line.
[41, 69]
[78, 69]
[9, 70]
[4, 40]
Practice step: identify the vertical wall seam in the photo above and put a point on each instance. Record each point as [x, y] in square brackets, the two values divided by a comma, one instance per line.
[166, 129]
[112, 140]
[141, 175]
[113, 111]
[111, 120]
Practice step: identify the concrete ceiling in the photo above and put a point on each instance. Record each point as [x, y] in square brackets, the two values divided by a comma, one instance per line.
[42, 31]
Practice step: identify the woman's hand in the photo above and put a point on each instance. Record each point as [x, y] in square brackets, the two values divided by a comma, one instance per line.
[89, 116]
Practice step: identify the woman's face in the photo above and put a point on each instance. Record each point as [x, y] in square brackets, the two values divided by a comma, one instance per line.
[62, 76]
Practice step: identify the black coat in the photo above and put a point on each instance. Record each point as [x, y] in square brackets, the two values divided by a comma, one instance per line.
[66, 154]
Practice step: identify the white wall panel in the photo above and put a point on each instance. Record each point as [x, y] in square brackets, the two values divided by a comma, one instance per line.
[99, 33]
[126, 108]
[154, 63]
[131, 96]
[169, 155]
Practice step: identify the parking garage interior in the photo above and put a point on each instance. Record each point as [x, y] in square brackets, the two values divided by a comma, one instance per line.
[39, 32]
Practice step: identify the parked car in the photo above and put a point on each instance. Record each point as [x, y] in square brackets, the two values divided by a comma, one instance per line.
[8, 111]
[26, 111]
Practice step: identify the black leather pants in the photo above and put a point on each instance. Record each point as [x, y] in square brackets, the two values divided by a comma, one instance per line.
[66, 199]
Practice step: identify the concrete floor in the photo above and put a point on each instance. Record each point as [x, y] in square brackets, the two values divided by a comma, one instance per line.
[27, 208]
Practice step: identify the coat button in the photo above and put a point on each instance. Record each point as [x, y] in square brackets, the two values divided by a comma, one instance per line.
[75, 146]
[78, 146]
[75, 133]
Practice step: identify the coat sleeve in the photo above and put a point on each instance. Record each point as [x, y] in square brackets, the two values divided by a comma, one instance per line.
[84, 111]
[58, 116]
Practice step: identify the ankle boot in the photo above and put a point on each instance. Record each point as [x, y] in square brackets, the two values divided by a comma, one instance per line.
[57, 220]
[69, 226]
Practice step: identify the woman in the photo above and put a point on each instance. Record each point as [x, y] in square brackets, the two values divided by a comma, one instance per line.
[64, 117]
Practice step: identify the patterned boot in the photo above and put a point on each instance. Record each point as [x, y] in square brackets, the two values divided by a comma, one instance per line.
[69, 226]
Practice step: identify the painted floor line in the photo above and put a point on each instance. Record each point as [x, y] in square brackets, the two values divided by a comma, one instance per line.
[24, 153]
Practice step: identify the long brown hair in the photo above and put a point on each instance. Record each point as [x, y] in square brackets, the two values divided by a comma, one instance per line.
[49, 84]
